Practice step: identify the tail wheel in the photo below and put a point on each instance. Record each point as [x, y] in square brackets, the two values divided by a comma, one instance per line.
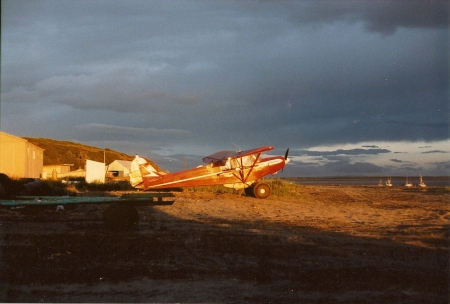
[261, 190]
[120, 217]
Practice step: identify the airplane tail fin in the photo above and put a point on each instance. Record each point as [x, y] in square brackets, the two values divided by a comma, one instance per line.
[140, 168]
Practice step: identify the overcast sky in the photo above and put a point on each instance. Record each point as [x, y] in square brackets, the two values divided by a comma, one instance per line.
[351, 87]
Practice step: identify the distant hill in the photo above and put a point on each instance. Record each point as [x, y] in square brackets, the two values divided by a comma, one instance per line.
[66, 152]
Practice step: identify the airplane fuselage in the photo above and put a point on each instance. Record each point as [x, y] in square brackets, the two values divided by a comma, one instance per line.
[228, 175]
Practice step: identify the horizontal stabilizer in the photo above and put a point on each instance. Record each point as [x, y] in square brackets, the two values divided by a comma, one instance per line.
[140, 168]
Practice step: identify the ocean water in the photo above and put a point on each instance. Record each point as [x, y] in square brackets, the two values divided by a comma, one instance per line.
[430, 181]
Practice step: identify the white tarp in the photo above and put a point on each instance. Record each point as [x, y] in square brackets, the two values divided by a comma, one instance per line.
[95, 172]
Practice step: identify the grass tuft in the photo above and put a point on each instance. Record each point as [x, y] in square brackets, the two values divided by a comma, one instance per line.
[280, 188]
[283, 188]
[216, 189]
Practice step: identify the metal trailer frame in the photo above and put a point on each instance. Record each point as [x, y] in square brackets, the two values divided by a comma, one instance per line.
[121, 213]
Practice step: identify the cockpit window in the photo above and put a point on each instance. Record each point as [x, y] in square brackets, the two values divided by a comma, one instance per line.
[248, 160]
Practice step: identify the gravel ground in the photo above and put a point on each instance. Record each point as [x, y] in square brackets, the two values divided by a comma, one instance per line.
[329, 244]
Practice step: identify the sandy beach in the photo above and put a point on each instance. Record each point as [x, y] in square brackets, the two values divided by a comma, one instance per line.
[346, 244]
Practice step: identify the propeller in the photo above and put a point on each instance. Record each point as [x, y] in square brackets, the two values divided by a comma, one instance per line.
[286, 154]
[286, 160]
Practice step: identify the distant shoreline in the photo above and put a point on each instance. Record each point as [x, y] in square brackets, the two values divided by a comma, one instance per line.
[430, 181]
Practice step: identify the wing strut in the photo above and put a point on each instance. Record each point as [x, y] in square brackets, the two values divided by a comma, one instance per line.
[242, 177]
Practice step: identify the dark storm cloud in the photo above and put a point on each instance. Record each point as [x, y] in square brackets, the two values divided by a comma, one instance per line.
[371, 146]
[118, 130]
[379, 16]
[440, 125]
[200, 76]
[435, 151]
[442, 168]
[333, 158]
[396, 160]
[412, 168]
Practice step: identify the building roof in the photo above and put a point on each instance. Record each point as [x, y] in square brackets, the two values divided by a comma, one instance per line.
[20, 139]
[125, 163]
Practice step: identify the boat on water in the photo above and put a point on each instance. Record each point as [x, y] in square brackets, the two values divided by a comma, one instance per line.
[421, 183]
[408, 184]
[388, 182]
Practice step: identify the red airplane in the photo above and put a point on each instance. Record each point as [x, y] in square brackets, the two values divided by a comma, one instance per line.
[237, 170]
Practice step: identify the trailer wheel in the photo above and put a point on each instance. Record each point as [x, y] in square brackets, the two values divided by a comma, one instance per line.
[120, 217]
[261, 190]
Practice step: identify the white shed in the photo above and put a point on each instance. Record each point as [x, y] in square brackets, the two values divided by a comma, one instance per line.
[95, 172]
[119, 168]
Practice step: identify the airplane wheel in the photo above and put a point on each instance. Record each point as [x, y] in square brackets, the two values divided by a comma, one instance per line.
[261, 190]
[120, 217]
[249, 191]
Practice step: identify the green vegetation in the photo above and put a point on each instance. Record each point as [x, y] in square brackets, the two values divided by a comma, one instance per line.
[283, 188]
[65, 152]
[280, 188]
[83, 186]
[9, 188]
[217, 189]
[14, 187]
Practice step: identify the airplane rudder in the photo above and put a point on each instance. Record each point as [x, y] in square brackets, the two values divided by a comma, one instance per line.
[135, 172]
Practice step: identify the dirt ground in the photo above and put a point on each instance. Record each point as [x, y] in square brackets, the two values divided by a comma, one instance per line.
[332, 244]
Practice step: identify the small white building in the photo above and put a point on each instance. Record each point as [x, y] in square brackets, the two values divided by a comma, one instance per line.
[119, 168]
[56, 171]
[95, 172]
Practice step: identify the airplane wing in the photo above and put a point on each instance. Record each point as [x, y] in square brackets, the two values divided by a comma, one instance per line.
[224, 155]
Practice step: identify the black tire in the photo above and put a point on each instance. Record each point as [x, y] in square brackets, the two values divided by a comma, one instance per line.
[120, 217]
[261, 190]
